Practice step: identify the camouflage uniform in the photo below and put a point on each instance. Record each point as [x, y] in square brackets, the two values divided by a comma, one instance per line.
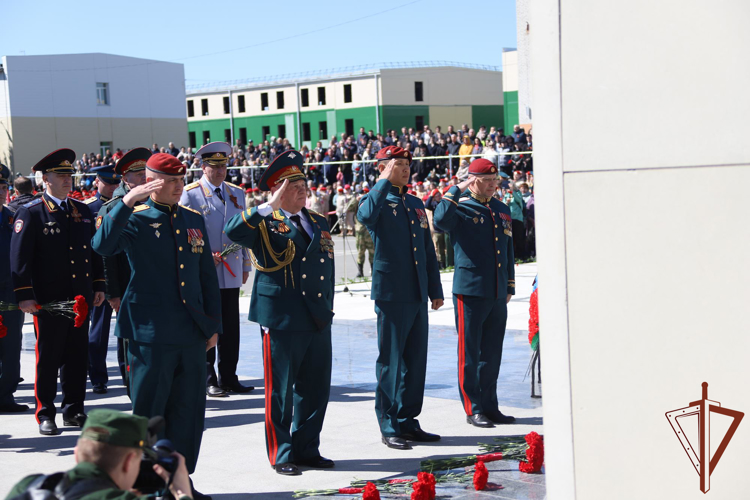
[364, 242]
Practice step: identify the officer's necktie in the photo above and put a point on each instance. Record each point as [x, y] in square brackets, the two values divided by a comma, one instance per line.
[64, 206]
[298, 221]
[218, 193]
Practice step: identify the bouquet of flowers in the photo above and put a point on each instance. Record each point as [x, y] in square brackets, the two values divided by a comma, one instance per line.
[233, 248]
[77, 310]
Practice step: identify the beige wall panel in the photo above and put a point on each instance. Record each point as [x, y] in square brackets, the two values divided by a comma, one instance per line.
[510, 71]
[165, 131]
[635, 73]
[6, 141]
[657, 294]
[449, 115]
[363, 92]
[33, 139]
[79, 134]
[442, 86]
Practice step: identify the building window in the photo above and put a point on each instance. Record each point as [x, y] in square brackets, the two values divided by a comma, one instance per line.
[243, 136]
[191, 108]
[349, 125]
[418, 92]
[305, 97]
[102, 94]
[228, 135]
[226, 105]
[241, 103]
[280, 99]
[191, 136]
[306, 132]
[419, 125]
[321, 96]
[104, 147]
[206, 137]
[204, 107]
[282, 131]
[264, 101]
[323, 130]
[266, 133]
[348, 92]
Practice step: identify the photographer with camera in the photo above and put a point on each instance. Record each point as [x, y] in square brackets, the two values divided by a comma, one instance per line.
[108, 457]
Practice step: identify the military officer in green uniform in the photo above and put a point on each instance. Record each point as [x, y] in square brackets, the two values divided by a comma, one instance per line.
[480, 229]
[108, 459]
[292, 300]
[132, 169]
[364, 240]
[405, 274]
[171, 309]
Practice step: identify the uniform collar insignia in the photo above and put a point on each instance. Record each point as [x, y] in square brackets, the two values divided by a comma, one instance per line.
[480, 199]
[155, 225]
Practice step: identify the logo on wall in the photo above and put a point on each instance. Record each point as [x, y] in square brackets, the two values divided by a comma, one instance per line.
[700, 455]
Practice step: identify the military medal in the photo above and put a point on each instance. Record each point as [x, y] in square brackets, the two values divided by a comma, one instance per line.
[45, 231]
[156, 225]
[481, 220]
[58, 230]
[74, 213]
[283, 228]
[195, 238]
[233, 199]
[476, 220]
[423, 218]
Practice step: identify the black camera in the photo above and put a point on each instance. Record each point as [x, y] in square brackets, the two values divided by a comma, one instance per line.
[156, 453]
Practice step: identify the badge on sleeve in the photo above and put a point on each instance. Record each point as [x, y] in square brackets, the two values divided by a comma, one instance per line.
[18, 226]
[98, 221]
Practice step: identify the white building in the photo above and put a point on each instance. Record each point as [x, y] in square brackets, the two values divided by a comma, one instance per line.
[89, 103]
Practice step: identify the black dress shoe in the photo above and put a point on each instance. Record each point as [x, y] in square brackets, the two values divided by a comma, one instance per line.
[215, 391]
[48, 428]
[316, 463]
[13, 408]
[498, 417]
[420, 435]
[76, 420]
[396, 443]
[287, 469]
[99, 389]
[479, 420]
[237, 387]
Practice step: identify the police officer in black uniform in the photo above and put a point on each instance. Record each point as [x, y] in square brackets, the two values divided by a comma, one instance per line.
[51, 260]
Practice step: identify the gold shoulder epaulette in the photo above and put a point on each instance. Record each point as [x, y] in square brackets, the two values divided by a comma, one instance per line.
[113, 199]
[192, 185]
[316, 213]
[191, 209]
[89, 201]
[233, 185]
[141, 208]
[278, 215]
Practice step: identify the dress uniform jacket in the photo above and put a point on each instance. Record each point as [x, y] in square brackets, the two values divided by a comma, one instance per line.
[116, 268]
[10, 345]
[481, 233]
[200, 197]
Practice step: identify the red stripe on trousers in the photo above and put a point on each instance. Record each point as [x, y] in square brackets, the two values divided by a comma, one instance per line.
[270, 431]
[461, 353]
[36, 370]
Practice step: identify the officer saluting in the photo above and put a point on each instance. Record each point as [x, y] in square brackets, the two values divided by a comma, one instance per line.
[106, 182]
[405, 274]
[171, 310]
[51, 260]
[219, 201]
[10, 345]
[484, 282]
[292, 300]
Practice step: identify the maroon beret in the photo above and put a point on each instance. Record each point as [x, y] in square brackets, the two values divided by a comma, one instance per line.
[482, 166]
[166, 164]
[391, 152]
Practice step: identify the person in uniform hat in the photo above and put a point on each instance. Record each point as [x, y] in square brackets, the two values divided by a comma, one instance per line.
[218, 201]
[106, 182]
[292, 300]
[12, 321]
[170, 312]
[405, 275]
[51, 260]
[108, 460]
[132, 170]
[481, 233]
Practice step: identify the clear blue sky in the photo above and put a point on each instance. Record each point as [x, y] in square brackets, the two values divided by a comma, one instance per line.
[225, 40]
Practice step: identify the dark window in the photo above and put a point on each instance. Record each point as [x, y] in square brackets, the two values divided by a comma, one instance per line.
[243, 135]
[266, 133]
[306, 132]
[191, 108]
[321, 96]
[418, 92]
[241, 103]
[282, 131]
[280, 99]
[191, 136]
[349, 124]
[204, 107]
[305, 97]
[323, 130]
[226, 105]
[206, 137]
[348, 92]
[228, 135]
[264, 101]
[419, 122]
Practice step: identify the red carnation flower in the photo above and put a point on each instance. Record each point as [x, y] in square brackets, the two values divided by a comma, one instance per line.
[480, 476]
[350, 491]
[429, 480]
[421, 491]
[3, 328]
[371, 492]
[490, 457]
[399, 481]
[81, 310]
[534, 454]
